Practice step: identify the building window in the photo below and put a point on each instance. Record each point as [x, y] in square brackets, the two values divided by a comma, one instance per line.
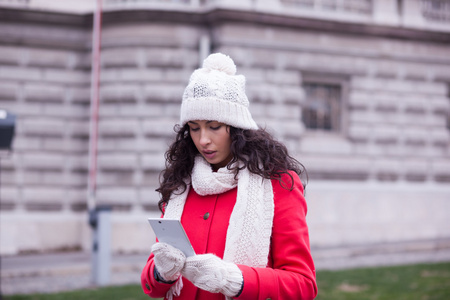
[134, 2]
[448, 109]
[19, 3]
[436, 10]
[350, 6]
[322, 108]
[448, 119]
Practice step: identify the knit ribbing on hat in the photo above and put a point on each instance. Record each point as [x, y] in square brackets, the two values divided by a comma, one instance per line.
[215, 93]
[215, 109]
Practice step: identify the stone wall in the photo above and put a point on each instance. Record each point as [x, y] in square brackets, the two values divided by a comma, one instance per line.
[45, 82]
[383, 178]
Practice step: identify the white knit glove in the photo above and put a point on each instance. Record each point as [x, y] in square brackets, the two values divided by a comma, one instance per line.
[212, 274]
[168, 261]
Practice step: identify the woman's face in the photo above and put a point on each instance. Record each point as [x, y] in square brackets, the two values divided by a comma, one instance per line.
[212, 140]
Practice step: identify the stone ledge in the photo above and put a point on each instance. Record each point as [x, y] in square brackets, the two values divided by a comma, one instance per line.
[409, 252]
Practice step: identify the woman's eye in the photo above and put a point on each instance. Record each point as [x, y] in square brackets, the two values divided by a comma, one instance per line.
[194, 129]
[216, 127]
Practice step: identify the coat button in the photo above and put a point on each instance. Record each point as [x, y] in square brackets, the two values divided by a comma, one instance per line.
[206, 216]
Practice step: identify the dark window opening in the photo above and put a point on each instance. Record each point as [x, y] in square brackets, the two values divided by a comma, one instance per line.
[322, 109]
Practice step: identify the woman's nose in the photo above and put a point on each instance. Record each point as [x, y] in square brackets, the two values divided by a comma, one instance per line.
[204, 138]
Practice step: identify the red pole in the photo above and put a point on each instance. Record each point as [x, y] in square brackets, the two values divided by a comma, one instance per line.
[95, 88]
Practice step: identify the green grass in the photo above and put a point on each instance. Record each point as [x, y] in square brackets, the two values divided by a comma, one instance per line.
[415, 282]
[127, 292]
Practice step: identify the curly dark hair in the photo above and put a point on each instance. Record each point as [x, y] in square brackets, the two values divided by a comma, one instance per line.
[257, 149]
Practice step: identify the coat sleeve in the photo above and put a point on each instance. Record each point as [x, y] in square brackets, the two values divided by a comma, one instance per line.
[149, 284]
[290, 273]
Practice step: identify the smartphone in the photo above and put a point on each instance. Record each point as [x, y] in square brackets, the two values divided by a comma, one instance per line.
[171, 231]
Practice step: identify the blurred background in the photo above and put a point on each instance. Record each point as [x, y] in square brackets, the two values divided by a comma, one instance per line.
[359, 91]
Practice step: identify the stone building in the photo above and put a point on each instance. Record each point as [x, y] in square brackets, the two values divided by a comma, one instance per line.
[358, 90]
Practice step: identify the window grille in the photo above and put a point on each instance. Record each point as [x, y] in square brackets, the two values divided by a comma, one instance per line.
[15, 2]
[351, 6]
[436, 10]
[145, 1]
[322, 109]
[448, 119]
[448, 110]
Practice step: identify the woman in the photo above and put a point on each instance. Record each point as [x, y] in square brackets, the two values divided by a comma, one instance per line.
[239, 197]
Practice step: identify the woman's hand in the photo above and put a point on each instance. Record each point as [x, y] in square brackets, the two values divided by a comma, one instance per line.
[210, 273]
[168, 261]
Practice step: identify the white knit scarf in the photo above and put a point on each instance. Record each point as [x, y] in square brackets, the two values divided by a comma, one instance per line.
[250, 227]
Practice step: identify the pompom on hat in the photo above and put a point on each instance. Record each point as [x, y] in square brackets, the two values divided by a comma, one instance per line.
[216, 93]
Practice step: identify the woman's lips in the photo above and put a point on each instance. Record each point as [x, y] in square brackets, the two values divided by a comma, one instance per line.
[209, 154]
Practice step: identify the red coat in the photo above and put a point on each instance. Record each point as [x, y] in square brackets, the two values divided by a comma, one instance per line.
[290, 273]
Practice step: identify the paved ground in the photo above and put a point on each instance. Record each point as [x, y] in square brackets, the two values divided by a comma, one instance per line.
[48, 273]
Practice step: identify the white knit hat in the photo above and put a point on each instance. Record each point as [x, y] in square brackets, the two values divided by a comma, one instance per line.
[216, 93]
